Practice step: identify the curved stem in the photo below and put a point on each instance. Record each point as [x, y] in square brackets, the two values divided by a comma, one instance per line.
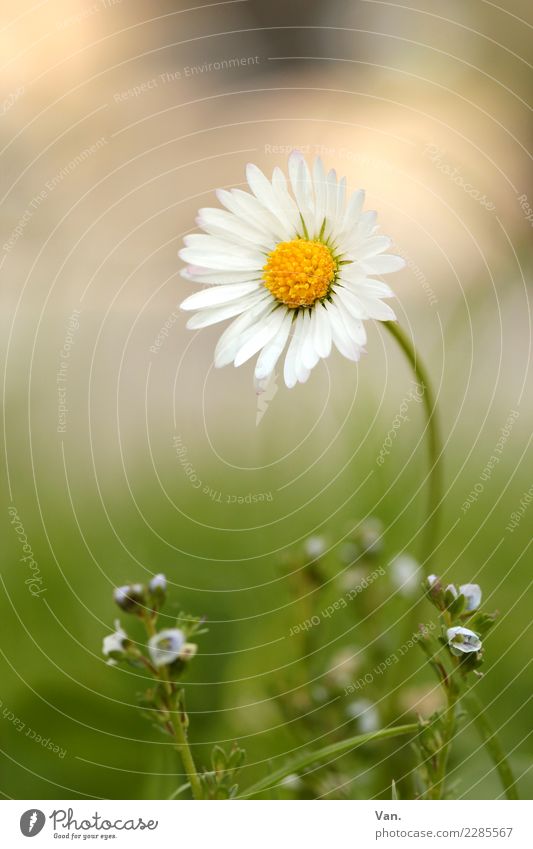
[434, 441]
[475, 708]
[488, 735]
[334, 749]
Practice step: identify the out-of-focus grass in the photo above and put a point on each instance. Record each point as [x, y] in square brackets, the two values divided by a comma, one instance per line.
[55, 682]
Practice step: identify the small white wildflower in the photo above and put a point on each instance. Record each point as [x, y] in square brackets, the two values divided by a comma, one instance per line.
[472, 594]
[158, 582]
[462, 641]
[292, 782]
[166, 646]
[365, 713]
[405, 574]
[452, 589]
[315, 546]
[113, 644]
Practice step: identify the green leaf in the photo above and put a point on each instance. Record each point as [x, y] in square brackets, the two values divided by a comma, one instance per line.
[333, 750]
[456, 607]
[481, 623]
[218, 760]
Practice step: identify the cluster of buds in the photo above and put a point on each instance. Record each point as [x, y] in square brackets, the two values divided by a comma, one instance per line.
[465, 626]
[166, 653]
[219, 782]
[168, 649]
[364, 541]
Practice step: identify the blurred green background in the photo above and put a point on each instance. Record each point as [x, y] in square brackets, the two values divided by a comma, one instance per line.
[402, 100]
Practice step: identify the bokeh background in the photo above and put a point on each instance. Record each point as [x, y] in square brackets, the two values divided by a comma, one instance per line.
[118, 121]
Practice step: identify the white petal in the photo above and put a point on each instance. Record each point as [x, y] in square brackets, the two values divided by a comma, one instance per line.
[320, 185]
[372, 246]
[353, 324]
[353, 210]
[302, 189]
[383, 264]
[341, 197]
[378, 309]
[222, 261]
[246, 206]
[203, 275]
[264, 334]
[219, 222]
[322, 332]
[262, 189]
[217, 244]
[217, 295]
[303, 374]
[308, 352]
[279, 184]
[238, 332]
[207, 317]
[341, 338]
[368, 286]
[332, 228]
[289, 369]
[353, 302]
[269, 356]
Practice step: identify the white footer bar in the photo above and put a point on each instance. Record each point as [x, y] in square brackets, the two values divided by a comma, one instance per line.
[268, 824]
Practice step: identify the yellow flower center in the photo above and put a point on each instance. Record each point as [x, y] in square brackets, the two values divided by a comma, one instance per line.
[300, 272]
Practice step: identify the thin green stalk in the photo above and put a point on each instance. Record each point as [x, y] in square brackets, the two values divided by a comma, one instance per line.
[450, 719]
[492, 744]
[330, 751]
[186, 756]
[474, 707]
[434, 441]
[176, 724]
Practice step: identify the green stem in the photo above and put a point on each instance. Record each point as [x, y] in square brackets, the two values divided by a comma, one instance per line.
[450, 717]
[186, 756]
[434, 441]
[177, 724]
[488, 735]
[475, 709]
[330, 751]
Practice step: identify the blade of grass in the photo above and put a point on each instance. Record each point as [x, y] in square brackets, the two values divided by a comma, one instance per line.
[332, 750]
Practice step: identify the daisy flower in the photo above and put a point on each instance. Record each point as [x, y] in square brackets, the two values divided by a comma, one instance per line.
[294, 264]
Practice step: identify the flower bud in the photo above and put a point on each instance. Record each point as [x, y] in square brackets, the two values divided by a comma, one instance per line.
[434, 591]
[188, 651]
[369, 536]
[157, 588]
[405, 574]
[130, 597]
[315, 547]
